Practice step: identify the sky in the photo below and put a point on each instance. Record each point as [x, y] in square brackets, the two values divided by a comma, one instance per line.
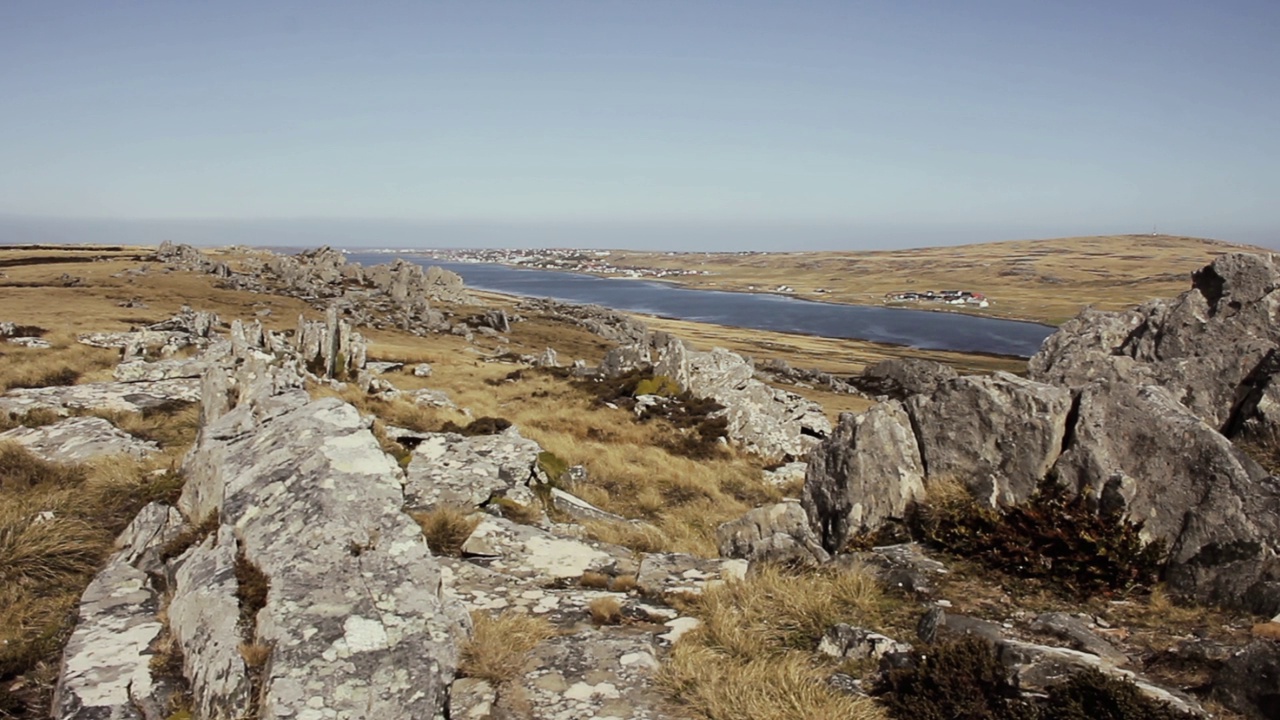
[686, 124]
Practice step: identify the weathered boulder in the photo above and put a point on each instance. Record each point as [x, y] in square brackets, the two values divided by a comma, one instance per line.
[447, 468]
[79, 439]
[1249, 681]
[777, 533]
[1139, 453]
[998, 435]
[844, 642]
[332, 348]
[662, 573]
[867, 472]
[900, 378]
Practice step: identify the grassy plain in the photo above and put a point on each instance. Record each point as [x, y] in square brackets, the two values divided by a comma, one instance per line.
[1047, 281]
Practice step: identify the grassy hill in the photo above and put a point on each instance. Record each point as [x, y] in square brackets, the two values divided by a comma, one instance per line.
[1043, 280]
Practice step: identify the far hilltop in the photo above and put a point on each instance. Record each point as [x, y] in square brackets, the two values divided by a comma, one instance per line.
[1046, 281]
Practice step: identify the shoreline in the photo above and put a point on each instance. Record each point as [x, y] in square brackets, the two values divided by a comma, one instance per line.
[515, 298]
[794, 296]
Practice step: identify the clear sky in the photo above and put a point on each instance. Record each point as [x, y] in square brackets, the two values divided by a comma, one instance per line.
[645, 123]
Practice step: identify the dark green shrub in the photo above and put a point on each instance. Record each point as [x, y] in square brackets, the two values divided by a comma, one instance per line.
[1090, 695]
[1053, 537]
[961, 680]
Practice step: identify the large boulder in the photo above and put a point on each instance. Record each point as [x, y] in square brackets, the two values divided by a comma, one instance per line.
[900, 378]
[866, 473]
[1140, 454]
[997, 435]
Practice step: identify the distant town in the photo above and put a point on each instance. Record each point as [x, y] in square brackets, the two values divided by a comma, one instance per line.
[574, 260]
[949, 297]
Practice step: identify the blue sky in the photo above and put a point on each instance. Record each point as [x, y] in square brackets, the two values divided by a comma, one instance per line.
[683, 124]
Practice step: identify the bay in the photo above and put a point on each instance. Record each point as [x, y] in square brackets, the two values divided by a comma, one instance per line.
[930, 330]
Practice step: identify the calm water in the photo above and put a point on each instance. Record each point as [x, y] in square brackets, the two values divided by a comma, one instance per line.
[915, 328]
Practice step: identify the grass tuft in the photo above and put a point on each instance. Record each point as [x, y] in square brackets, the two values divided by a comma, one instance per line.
[500, 645]
[446, 528]
[605, 611]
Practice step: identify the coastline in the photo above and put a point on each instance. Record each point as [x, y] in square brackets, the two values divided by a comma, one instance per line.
[794, 296]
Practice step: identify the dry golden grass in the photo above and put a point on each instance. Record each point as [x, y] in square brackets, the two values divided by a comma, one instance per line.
[1043, 280]
[605, 611]
[446, 528]
[53, 536]
[752, 656]
[500, 645]
[31, 293]
[66, 363]
[173, 425]
[779, 687]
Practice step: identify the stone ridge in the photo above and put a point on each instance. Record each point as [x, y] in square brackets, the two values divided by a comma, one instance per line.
[1127, 409]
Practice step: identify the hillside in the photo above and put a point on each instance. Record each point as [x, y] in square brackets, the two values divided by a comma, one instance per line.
[1043, 280]
[365, 492]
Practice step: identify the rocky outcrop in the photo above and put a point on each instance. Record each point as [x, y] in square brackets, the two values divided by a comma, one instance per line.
[606, 323]
[1140, 454]
[1212, 347]
[79, 439]
[106, 664]
[868, 472]
[761, 419]
[900, 378]
[1126, 409]
[394, 295]
[354, 619]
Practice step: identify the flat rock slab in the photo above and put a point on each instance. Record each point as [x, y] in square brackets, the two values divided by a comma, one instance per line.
[594, 674]
[662, 573]
[79, 439]
[141, 370]
[527, 552]
[127, 397]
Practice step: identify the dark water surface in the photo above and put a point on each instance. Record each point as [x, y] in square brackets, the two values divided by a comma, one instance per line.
[915, 328]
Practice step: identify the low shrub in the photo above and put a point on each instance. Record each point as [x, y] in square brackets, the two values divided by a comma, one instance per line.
[963, 680]
[480, 426]
[1055, 538]
[605, 611]
[659, 385]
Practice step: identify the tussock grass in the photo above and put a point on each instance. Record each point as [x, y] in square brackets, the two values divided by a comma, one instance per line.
[515, 512]
[752, 656]
[54, 534]
[782, 687]
[173, 424]
[63, 364]
[21, 469]
[446, 528]
[605, 611]
[500, 645]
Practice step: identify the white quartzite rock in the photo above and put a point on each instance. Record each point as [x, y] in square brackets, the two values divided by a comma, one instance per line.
[354, 615]
[79, 439]
[106, 672]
